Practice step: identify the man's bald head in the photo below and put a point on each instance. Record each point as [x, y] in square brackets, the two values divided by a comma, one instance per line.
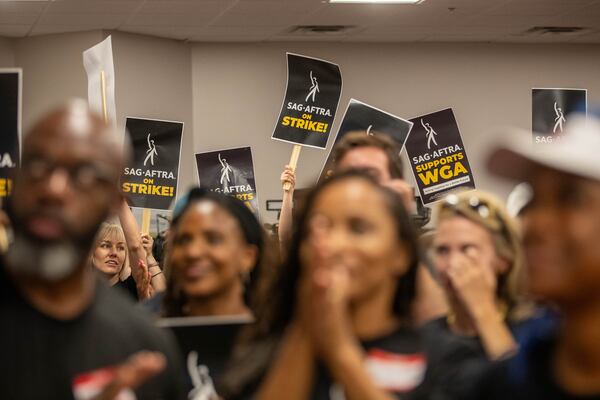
[74, 122]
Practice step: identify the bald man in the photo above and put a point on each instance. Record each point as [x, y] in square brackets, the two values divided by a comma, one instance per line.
[59, 322]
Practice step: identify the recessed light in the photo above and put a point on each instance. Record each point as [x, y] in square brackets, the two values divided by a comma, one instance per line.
[378, 1]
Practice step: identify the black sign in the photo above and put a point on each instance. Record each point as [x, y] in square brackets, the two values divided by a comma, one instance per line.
[10, 126]
[551, 109]
[361, 117]
[151, 180]
[437, 156]
[230, 172]
[313, 91]
[205, 344]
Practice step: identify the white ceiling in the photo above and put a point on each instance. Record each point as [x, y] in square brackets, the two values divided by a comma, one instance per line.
[271, 20]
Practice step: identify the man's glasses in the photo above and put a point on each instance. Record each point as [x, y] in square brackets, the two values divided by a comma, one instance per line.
[83, 176]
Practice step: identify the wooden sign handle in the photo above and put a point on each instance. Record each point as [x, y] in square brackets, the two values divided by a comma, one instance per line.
[146, 212]
[293, 163]
[103, 91]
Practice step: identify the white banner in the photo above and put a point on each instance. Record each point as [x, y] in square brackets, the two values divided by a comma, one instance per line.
[96, 60]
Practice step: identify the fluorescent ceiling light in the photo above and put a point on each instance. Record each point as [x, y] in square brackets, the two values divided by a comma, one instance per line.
[378, 1]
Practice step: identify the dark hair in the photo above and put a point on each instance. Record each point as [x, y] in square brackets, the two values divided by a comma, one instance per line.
[279, 302]
[259, 342]
[357, 139]
[251, 230]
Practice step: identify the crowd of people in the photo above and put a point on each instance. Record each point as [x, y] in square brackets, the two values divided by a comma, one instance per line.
[353, 297]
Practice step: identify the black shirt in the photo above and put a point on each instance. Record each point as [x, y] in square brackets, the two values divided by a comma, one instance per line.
[128, 286]
[456, 362]
[42, 357]
[527, 376]
[396, 363]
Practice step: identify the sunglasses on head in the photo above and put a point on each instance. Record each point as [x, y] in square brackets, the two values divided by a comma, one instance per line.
[475, 206]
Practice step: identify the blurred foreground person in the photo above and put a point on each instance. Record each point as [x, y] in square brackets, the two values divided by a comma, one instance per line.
[478, 257]
[64, 330]
[336, 321]
[561, 231]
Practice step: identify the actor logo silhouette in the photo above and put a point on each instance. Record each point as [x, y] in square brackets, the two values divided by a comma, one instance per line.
[225, 171]
[431, 134]
[559, 120]
[204, 389]
[151, 152]
[314, 88]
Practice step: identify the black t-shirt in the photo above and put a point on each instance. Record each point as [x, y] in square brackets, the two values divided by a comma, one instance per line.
[45, 358]
[128, 286]
[396, 363]
[527, 376]
[456, 362]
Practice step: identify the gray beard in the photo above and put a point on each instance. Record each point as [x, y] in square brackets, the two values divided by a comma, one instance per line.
[51, 262]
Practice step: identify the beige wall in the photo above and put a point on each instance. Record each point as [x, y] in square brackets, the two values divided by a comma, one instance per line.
[229, 95]
[7, 53]
[238, 90]
[52, 71]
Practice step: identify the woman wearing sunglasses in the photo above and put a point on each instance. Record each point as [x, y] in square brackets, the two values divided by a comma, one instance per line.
[477, 254]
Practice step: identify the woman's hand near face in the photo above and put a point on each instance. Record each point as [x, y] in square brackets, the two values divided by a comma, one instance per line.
[472, 284]
[477, 292]
[325, 289]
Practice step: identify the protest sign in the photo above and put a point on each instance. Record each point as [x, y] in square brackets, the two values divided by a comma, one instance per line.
[205, 345]
[313, 92]
[437, 156]
[229, 171]
[150, 181]
[365, 118]
[550, 110]
[10, 126]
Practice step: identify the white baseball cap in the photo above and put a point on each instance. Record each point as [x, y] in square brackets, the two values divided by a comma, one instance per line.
[575, 152]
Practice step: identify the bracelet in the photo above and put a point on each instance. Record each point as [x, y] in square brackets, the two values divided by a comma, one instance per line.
[158, 273]
[153, 265]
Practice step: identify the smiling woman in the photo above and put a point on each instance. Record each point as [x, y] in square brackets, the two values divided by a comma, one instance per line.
[215, 254]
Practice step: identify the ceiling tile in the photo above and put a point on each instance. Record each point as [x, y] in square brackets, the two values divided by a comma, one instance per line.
[180, 33]
[17, 19]
[174, 20]
[386, 37]
[27, 7]
[259, 20]
[92, 6]
[542, 8]
[196, 7]
[10, 30]
[51, 29]
[103, 21]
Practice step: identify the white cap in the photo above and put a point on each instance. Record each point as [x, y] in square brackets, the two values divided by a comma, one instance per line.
[575, 152]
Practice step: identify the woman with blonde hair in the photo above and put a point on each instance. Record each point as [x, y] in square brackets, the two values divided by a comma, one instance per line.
[119, 256]
[478, 257]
